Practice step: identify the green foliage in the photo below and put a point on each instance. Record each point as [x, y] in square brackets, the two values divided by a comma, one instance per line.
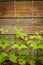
[12, 40]
[3, 43]
[24, 53]
[34, 45]
[12, 57]
[23, 42]
[2, 56]
[19, 46]
[32, 62]
[19, 33]
[36, 36]
[3, 46]
[3, 31]
[38, 44]
[22, 62]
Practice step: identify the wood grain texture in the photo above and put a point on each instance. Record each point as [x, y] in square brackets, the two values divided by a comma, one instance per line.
[38, 5]
[25, 29]
[6, 9]
[22, 22]
[38, 8]
[22, 9]
[29, 8]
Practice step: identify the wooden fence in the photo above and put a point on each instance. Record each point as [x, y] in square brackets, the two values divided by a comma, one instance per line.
[23, 11]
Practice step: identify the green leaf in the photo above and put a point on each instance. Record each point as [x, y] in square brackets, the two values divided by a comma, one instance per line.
[3, 46]
[24, 53]
[34, 45]
[26, 39]
[12, 40]
[40, 46]
[36, 37]
[21, 46]
[3, 40]
[12, 58]
[22, 61]
[3, 43]
[32, 62]
[19, 33]
[2, 56]
[29, 42]
[22, 35]
[19, 41]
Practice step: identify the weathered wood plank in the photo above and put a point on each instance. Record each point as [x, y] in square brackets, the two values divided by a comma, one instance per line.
[38, 5]
[25, 29]
[24, 8]
[38, 8]
[7, 9]
[22, 22]
[38, 13]
[6, 0]
[29, 8]
[5, 6]
[7, 21]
